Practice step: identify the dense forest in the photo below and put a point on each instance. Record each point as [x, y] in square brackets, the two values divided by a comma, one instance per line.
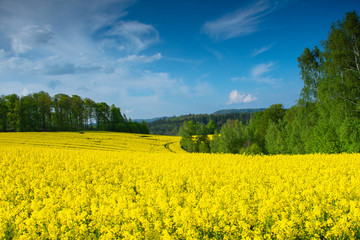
[171, 126]
[41, 112]
[326, 118]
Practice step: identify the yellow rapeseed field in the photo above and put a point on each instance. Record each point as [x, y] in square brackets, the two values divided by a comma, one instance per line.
[115, 185]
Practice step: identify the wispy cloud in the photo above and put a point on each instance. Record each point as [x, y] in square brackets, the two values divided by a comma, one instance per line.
[30, 37]
[242, 22]
[260, 69]
[133, 35]
[261, 50]
[217, 54]
[140, 58]
[260, 74]
[161, 84]
[184, 60]
[238, 97]
[69, 68]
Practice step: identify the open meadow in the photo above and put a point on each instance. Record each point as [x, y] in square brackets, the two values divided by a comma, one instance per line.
[116, 185]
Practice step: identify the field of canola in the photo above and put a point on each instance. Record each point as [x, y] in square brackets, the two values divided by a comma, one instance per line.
[115, 185]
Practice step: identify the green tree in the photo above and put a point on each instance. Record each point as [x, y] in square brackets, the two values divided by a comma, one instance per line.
[3, 113]
[144, 129]
[331, 81]
[12, 103]
[211, 126]
[116, 119]
[350, 135]
[202, 138]
[187, 131]
[77, 112]
[62, 111]
[43, 104]
[215, 142]
[29, 117]
[260, 123]
[232, 137]
[89, 112]
[275, 138]
[310, 64]
[102, 112]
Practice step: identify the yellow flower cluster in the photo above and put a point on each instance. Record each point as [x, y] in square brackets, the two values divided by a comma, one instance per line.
[69, 189]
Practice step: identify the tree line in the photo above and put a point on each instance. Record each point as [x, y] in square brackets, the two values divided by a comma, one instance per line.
[41, 112]
[326, 117]
[171, 126]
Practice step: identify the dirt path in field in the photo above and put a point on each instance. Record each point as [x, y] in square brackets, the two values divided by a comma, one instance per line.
[167, 146]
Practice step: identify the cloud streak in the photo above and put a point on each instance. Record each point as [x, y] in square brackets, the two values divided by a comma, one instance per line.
[242, 22]
[260, 69]
[133, 36]
[259, 74]
[261, 50]
[140, 59]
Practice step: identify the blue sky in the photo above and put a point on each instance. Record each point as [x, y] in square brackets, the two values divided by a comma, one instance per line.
[162, 58]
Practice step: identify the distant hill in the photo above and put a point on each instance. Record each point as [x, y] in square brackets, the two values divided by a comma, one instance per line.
[171, 125]
[247, 110]
[149, 120]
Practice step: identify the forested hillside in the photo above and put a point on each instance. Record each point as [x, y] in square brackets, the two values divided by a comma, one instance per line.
[41, 112]
[171, 126]
[247, 110]
[326, 118]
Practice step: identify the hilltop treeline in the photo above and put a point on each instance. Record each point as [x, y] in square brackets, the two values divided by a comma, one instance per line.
[41, 112]
[171, 126]
[326, 118]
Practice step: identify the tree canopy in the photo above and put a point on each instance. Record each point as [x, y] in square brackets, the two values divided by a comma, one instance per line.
[41, 112]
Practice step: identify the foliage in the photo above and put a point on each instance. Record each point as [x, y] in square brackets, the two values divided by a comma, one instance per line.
[171, 126]
[331, 82]
[234, 136]
[194, 137]
[40, 112]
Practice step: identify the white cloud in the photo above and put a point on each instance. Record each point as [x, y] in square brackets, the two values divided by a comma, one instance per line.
[67, 36]
[134, 36]
[68, 15]
[239, 23]
[237, 97]
[261, 50]
[73, 47]
[260, 69]
[141, 58]
[29, 37]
